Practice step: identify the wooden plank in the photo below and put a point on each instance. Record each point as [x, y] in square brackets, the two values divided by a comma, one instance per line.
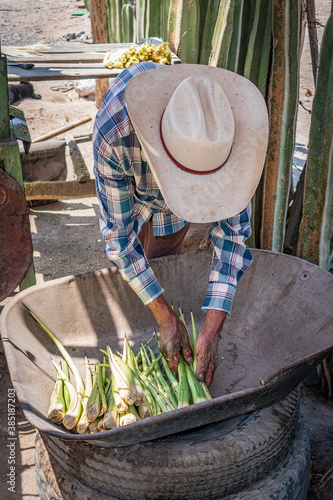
[79, 165]
[57, 190]
[70, 48]
[64, 58]
[60, 72]
[75, 54]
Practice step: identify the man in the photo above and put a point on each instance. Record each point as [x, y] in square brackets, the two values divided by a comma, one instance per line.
[171, 147]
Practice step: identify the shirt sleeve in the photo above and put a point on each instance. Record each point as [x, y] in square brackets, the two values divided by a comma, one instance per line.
[121, 220]
[231, 258]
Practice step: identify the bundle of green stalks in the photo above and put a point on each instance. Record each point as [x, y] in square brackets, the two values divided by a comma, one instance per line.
[123, 388]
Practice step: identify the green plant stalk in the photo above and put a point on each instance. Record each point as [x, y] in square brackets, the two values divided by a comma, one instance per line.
[184, 393]
[256, 42]
[150, 389]
[236, 36]
[257, 71]
[153, 19]
[189, 45]
[64, 353]
[116, 21]
[140, 20]
[316, 225]
[162, 382]
[93, 426]
[266, 51]
[73, 413]
[57, 408]
[225, 48]
[109, 420]
[172, 379]
[124, 382]
[283, 112]
[127, 16]
[175, 25]
[108, 28]
[159, 397]
[245, 31]
[134, 381]
[182, 318]
[107, 388]
[124, 355]
[165, 7]
[94, 401]
[121, 405]
[144, 360]
[147, 365]
[152, 366]
[144, 410]
[66, 393]
[196, 389]
[131, 358]
[83, 424]
[150, 399]
[222, 34]
[208, 30]
[194, 342]
[138, 356]
[100, 382]
[204, 5]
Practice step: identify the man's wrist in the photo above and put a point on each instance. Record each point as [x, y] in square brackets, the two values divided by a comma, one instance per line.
[214, 322]
[160, 309]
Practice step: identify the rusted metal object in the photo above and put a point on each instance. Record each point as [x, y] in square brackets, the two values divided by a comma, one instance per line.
[281, 328]
[15, 237]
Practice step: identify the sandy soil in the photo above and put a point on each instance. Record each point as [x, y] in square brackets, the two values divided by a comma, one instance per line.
[66, 236]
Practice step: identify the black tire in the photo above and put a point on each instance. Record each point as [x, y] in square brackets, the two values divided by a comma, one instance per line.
[291, 478]
[211, 462]
[288, 481]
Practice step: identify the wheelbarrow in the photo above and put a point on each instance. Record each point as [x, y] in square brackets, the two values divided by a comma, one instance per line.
[280, 329]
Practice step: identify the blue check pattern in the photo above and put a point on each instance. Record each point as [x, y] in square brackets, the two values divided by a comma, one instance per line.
[128, 197]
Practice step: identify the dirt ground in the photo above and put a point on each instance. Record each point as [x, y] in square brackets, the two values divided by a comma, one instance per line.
[66, 237]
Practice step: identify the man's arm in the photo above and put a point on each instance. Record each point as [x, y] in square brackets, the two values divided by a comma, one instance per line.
[230, 261]
[121, 219]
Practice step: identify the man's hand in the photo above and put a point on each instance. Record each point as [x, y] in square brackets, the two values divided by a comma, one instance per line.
[207, 345]
[174, 339]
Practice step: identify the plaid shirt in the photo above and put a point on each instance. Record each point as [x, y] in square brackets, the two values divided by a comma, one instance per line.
[129, 196]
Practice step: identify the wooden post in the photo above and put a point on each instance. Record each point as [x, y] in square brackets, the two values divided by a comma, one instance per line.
[4, 110]
[100, 35]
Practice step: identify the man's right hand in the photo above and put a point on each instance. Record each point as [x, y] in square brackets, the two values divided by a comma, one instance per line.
[174, 339]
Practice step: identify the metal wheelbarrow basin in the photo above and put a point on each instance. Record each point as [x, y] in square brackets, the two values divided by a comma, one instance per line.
[281, 327]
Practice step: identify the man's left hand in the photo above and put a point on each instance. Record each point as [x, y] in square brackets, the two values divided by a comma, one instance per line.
[207, 345]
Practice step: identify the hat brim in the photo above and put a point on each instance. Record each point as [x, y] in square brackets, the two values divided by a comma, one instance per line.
[225, 192]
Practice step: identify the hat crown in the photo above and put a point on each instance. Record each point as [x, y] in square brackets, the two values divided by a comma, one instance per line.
[198, 125]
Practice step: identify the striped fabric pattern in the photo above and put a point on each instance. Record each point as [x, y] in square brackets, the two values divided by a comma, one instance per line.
[128, 197]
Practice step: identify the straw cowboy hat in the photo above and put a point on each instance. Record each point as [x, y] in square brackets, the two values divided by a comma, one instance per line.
[204, 132]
